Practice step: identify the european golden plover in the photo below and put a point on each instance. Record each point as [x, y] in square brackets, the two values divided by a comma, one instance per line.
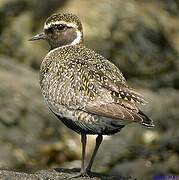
[83, 89]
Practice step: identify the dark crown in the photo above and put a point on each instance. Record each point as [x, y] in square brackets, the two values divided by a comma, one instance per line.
[67, 18]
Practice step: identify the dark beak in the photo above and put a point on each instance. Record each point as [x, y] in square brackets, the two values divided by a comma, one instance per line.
[38, 37]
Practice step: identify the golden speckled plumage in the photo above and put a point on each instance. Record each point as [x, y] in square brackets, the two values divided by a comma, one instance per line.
[79, 79]
[83, 89]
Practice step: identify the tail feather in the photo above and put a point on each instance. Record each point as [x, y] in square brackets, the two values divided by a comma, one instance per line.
[146, 121]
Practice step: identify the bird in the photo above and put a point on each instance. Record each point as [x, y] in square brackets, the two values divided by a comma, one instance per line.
[86, 91]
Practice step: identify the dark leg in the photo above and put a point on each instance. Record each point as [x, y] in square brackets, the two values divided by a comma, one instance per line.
[83, 141]
[98, 142]
[83, 170]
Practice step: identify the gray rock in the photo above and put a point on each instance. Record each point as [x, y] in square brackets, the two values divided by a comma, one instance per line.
[55, 174]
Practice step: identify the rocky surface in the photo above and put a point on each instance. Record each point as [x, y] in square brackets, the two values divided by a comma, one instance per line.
[140, 37]
[55, 174]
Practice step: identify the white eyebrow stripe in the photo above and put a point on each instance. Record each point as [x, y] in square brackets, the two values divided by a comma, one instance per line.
[46, 26]
[78, 38]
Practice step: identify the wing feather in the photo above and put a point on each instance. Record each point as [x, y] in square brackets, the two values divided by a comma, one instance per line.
[97, 86]
[114, 111]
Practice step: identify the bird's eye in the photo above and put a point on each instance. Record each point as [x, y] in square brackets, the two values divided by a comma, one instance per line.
[60, 27]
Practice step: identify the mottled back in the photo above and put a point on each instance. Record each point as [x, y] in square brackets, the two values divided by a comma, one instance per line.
[80, 79]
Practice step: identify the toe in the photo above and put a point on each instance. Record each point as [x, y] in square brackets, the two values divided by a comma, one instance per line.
[81, 174]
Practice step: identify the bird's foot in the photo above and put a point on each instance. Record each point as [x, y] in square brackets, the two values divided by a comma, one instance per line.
[82, 174]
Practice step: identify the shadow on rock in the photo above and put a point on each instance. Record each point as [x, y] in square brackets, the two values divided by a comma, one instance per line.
[93, 174]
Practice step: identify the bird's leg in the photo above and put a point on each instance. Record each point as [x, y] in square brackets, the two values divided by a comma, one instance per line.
[83, 170]
[98, 142]
[83, 142]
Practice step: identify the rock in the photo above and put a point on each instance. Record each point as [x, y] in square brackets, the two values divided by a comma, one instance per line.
[55, 174]
[148, 168]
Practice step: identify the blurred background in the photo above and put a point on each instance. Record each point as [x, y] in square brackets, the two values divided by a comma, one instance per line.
[140, 37]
